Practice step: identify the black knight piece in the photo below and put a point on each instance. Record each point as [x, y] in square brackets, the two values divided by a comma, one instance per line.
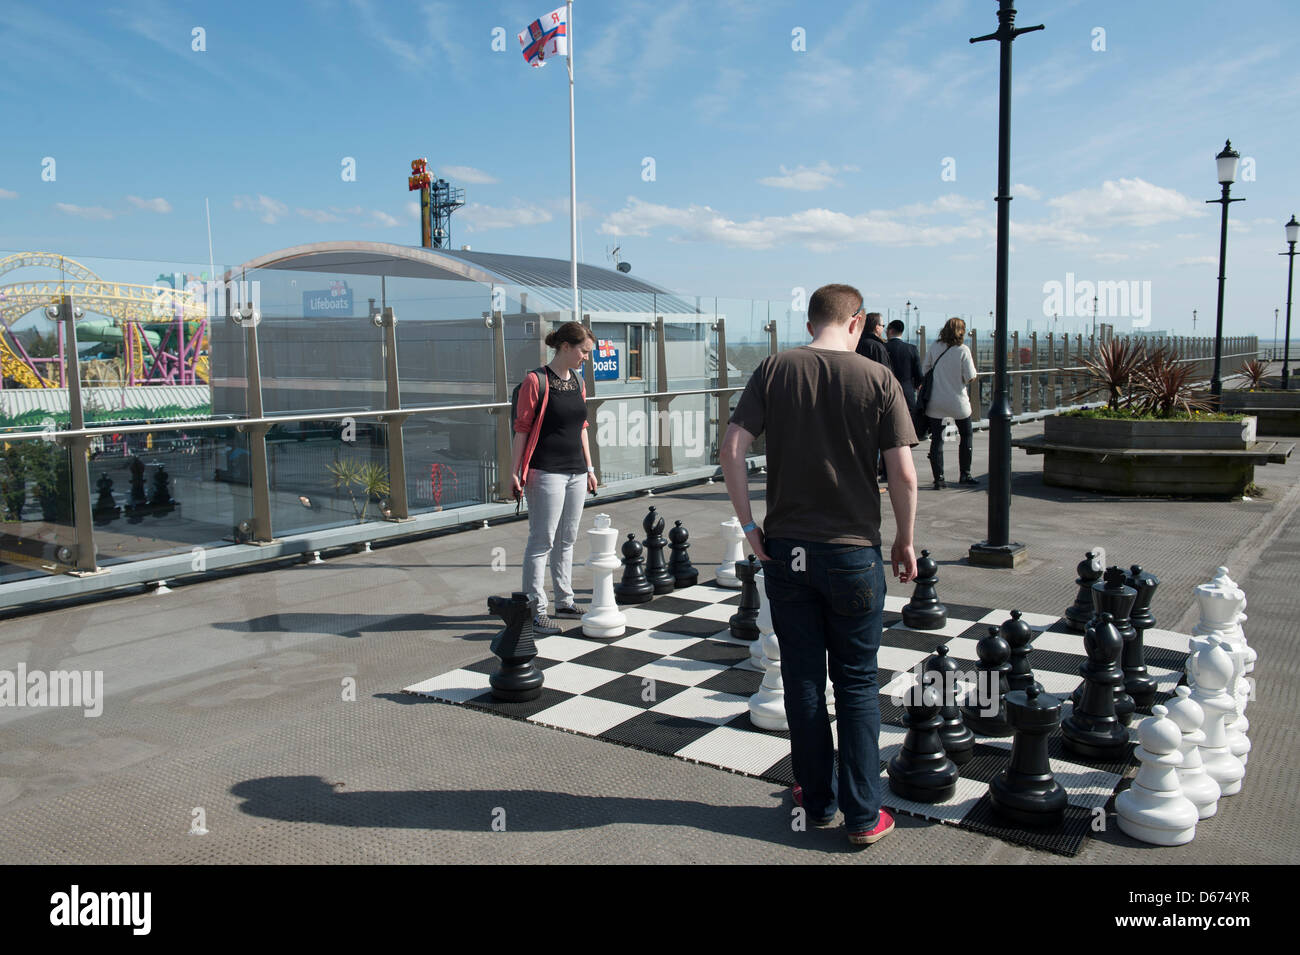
[940, 671]
[1026, 793]
[1092, 729]
[1018, 635]
[985, 710]
[1080, 612]
[517, 680]
[1137, 682]
[633, 588]
[656, 568]
[922, 770]
[924, 612]
[679, 563]
[744, 622]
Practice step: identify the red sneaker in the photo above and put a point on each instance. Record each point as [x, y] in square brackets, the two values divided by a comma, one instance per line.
[884, 826]
[824, 823]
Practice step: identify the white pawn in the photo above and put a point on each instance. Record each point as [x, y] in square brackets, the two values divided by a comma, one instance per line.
[1154, 808]
[1213, 669]
[1197, 784]
[603, 619]
[734, 541]
[767, 706]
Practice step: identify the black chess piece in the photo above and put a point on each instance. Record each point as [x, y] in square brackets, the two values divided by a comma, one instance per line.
[656, 567]
[517, 680]
[1137, 681]
[1080, 612]
[940, 671]
[105, 508]
[1026, 793]
[633, 588]
[1092, 729]
[162, 500]
[1018, 635]
[1113, 595]
[985, 711]
[924, 612]
[921, 770]
[138, 496]
[744, 622]
[679, 564]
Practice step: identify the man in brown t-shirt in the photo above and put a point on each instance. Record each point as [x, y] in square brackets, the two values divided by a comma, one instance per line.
[826, 411]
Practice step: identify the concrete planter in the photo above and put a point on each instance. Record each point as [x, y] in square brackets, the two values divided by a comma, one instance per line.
[1278, 412]
[1149, 435]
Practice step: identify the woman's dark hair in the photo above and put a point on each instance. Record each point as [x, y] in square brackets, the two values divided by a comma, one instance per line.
[954, 331]
[570, 333]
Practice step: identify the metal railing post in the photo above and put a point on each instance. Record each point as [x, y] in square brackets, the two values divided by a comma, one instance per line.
[1018, 389]
[1052, 400]
[593, 405]
[259, 472]
[77, 449]
[664, 450]
[974, 388]
[502, 487]
[723, 402]
[398, 507]
[1035, 401]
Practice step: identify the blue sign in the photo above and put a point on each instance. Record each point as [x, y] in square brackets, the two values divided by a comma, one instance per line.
[335, 300]
[605, 361]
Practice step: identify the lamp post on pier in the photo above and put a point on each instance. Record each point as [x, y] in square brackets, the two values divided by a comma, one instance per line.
[1227, 163]
[1292, 236]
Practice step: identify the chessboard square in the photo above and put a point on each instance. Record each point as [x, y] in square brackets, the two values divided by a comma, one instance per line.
[1085, 786]
[718, 651]
[697, 703]
[490, 665]
[658, 732]
[894, 658]
[519, 709]
[955, 627]
[968, 612]
[705, 593]
[1060, 685]
[1166, 680]
[1067, 839]
[577, 678]
[954, 809]
[675, 604]
[1166, 640]
[722, 613]
[735, 681]
[1165, 659]
[659, 642]
[679, 670]
[895, 604]
[455, 687]
[737, 749]
[986, 762]
[587, 715]
[620, 659]
[891, 741]
[897, 685]
[1038, 621]
[694, 626]
[963, 648]
[635, 691]
[1052, 642]
[645, 619]
[565, 648]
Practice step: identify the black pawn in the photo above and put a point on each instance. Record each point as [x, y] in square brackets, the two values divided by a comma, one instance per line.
[1026, 793]
[1080, 612]
[1018, 635]
[656, 568]
[138, 496]
[924, 612]
[1112, 595]
[106, 508]
[1092, 729]
[679, 563]
[517, 680]
[986, 713]
[1137, 682]
[633, 588]
[922, 771]
[744, 622]
[940, 671]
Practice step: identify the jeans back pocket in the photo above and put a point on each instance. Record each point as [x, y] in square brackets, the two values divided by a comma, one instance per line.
[853, 590]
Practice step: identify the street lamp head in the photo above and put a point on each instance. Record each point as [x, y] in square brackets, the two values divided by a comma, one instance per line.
[1227, 161]
[1293, 231]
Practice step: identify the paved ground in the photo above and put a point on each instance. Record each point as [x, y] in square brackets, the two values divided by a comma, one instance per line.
[227, 695]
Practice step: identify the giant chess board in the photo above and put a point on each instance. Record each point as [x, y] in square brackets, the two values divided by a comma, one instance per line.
[678, 684]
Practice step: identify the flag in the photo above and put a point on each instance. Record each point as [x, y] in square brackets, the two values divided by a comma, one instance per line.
[548, 36]
[605, 347]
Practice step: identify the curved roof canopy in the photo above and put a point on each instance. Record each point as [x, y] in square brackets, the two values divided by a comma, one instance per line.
[546, 280]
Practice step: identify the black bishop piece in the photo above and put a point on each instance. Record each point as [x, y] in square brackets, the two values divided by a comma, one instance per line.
[1137, 681]
[679, 564]
[518, 679]
[1018, 635]
[656, 568]
[985, 710]
[1092, 729]
[1080, 612]
[633, 588]
[940, 671]
[924, 612]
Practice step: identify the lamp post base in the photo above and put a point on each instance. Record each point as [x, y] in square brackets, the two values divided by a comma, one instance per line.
[1009, 555]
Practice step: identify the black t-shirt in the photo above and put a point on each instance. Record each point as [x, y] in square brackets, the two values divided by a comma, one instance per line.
[559, 443]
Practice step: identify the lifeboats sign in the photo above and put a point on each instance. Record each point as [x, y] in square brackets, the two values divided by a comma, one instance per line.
[335, 300]
[605, 361]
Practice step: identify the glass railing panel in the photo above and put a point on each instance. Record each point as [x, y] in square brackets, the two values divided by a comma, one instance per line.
[37, 536]
[327, 474]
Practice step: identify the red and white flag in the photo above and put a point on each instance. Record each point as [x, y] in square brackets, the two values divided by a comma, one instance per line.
[547, 36]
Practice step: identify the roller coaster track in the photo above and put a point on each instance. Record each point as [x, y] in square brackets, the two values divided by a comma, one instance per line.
[125, 302]
[14, 367]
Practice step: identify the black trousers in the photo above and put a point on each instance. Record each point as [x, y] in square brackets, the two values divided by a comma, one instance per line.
[964, 449]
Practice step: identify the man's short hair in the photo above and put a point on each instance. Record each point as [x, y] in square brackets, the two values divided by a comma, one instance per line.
[873, 322]
[833, 304]
[896, 327]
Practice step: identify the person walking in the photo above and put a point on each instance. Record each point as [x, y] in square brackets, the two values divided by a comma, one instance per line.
[870, 344]
[948, 399]
[551, 464]
[906, 362]
[825, 411]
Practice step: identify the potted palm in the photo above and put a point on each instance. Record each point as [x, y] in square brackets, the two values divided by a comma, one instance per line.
[1277, 411]
[356, 477]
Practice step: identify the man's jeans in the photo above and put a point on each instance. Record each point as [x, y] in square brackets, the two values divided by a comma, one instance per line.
[827, 604]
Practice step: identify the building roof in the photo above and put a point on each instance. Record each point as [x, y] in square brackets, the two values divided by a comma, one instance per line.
[133, 402]
[545, 280]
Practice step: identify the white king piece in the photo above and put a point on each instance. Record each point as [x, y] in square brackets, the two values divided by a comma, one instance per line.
[604, 620]
[1222, 604]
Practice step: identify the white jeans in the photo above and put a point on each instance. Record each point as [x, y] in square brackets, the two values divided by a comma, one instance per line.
[554, 510]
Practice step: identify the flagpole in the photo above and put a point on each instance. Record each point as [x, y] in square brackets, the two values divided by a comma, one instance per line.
[573, 173]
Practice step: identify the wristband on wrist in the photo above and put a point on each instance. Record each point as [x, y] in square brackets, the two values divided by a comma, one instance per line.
[751, 526]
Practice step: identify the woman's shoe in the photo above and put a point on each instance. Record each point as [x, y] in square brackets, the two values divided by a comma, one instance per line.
[940, 484]
[968, 480]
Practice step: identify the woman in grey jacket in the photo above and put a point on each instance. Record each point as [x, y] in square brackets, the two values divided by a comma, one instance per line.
[948, 399]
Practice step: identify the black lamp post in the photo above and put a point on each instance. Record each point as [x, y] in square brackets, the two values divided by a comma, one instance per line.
[1292, 235]
[1227, 161]
[998, 550]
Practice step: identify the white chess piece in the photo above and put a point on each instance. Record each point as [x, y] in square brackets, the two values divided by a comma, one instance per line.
[1154, 808]
[603, 619]
[764, 621]
[1197, 784]
[1222, 604]
[1213, 670]
[767, 706]
[734, 542]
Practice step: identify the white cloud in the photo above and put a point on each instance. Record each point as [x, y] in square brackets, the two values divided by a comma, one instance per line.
[1125, 202]
[951, 203]
[807, 178]
[6, 194]
[1053, 232]
[479, 218]
[1199, 260]
[413, 209]
[153, 205]
[469, 174]
[83, 212]
[383, 219]
[320, 216]
[1110, 256]
[269, 210]
[1028, 192]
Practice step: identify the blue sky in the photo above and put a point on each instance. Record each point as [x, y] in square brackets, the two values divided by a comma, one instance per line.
[774, 168]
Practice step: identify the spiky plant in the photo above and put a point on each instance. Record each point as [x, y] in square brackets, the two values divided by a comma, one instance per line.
[1113, 371]
[370, 479]
[1254, 370]
[1164, 386]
